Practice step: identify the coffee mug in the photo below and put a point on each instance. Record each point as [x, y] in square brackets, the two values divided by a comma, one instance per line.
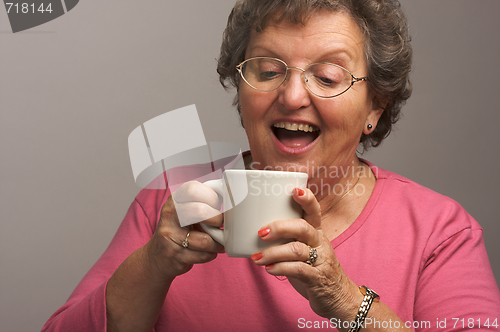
[252, 199]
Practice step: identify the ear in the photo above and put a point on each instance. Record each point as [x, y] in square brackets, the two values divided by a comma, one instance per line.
[373, 116]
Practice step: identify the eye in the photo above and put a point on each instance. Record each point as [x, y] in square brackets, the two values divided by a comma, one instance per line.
[327, 75]
[269, 70]
[325, 80]
[268, 74]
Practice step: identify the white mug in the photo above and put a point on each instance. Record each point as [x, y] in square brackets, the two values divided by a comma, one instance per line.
[252, 199]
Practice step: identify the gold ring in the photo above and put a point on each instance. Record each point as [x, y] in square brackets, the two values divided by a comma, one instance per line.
[185, 243]
[313, 255]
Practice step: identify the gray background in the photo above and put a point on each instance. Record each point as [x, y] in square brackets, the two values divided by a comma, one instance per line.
[73, 89]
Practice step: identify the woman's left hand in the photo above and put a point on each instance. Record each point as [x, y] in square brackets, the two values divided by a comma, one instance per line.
[329, 291]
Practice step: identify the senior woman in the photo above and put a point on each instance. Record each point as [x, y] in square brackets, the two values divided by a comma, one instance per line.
[315, 80]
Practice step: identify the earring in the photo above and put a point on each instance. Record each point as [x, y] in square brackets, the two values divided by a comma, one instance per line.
[369, 126]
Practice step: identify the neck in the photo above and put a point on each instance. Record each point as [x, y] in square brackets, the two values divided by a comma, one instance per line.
[337, 214]
[336, 188]
[342, 192]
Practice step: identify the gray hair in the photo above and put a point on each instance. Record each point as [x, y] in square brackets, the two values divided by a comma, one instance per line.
[387, 47]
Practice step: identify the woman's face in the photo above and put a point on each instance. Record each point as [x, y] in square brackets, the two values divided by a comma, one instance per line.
[340, 121]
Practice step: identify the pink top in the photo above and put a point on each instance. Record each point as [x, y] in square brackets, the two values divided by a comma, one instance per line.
[420, 251]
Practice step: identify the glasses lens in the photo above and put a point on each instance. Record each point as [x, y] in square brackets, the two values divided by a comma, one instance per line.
[327, 80]
[264, 74]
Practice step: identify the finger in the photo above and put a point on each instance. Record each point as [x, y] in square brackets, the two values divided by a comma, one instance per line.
[199, 241]
[297, 229]
[168, 215]
[297, 270]
[292, 252]
[194, 191]
[171, 257]
[194, 212]
[310, 205]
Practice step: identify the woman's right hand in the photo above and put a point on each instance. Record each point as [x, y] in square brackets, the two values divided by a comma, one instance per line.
[192, 202]
[136, 292]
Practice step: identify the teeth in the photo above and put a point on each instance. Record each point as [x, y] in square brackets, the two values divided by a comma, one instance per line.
[296, 126]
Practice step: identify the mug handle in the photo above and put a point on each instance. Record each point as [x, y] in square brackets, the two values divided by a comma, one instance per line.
[216, 233]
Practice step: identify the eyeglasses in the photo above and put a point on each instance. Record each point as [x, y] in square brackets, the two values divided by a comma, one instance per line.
[325, 80]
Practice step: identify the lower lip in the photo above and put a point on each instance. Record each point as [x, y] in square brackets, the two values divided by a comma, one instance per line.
[289, 150]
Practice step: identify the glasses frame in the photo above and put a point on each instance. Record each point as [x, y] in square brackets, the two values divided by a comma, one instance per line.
[354, 79]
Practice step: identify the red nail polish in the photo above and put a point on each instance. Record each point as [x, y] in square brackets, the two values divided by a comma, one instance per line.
[256, 256]
[264, 232]
[269, 267]
[301, 192]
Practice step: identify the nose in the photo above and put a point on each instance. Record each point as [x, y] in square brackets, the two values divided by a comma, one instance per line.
[293, 93]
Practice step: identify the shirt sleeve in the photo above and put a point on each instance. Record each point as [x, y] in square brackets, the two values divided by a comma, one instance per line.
[85, 309]
[457, 290]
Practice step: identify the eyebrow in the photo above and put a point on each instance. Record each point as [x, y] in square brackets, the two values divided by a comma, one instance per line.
[341, 56]
[261, 51]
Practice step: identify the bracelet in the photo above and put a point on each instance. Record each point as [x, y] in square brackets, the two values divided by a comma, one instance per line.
[370, 296]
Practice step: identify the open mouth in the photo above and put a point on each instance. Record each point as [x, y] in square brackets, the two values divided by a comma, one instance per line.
[295, 135]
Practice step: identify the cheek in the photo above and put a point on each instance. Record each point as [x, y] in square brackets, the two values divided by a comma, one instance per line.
[257, 101]
[334, 113]
[343, 113]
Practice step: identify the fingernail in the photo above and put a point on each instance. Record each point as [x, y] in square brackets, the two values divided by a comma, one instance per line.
[301, 192]
[256, 256]
[269, 267]
[264, 232]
